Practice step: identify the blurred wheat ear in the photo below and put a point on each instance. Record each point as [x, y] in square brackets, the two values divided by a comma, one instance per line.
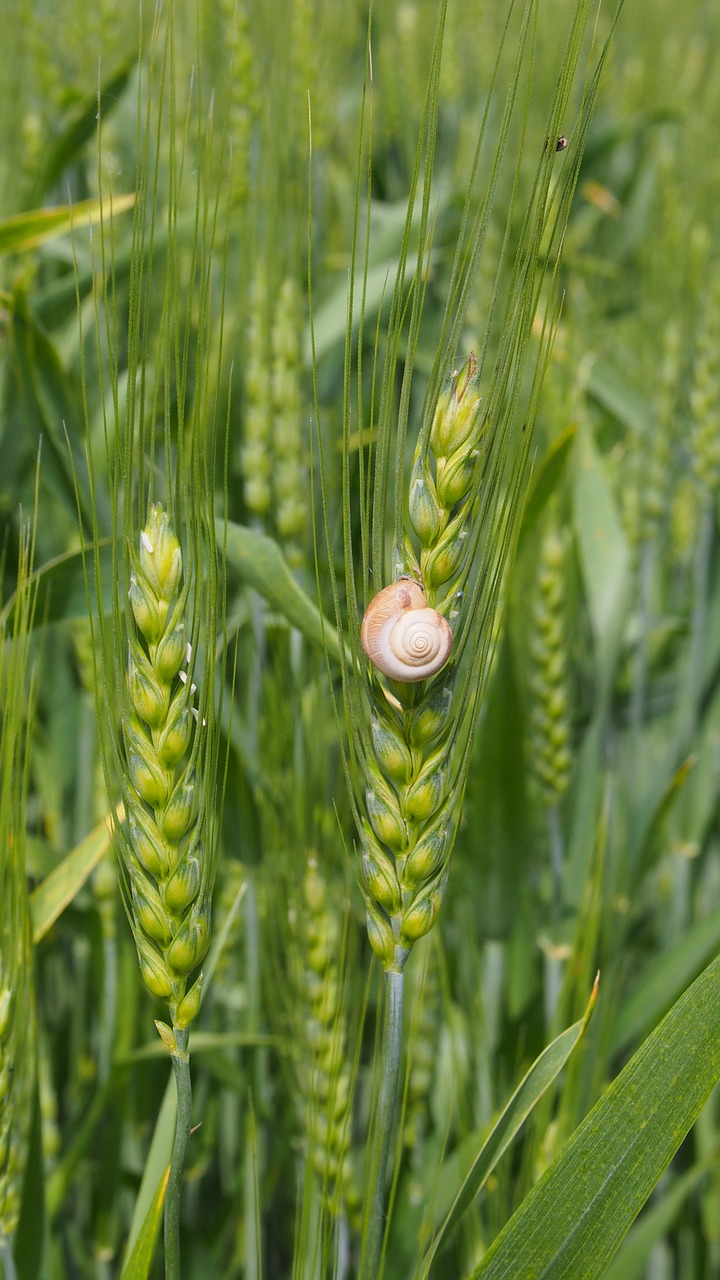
[407, 741]
[327, 1087]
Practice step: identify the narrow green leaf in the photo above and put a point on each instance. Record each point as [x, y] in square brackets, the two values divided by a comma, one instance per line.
[48, 405]
[497, 800]
[81, 124]
[260, 562]
[25, 231]
[632, 1257]
[545, 481]
[651, 816]
[139, 1261]
[29, 1239]
[256, 557]
[538, 1079]
[61, 593]
[331, 318]
[604, 554]
[662, 980]
[208, 1042]
[221, 938]
[60, 1178]
[54, 300]
[57, 891]
[586, 801]
[253, 1235]
[572, 1222]
[157, 1165]
[608, 388]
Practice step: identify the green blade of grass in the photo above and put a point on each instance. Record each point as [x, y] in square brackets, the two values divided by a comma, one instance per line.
[49, 409]
[253, 1207]
[260, 562]
[632, 1258]
[537, 1080]
[25, 231]
[331, 318]
[648, 826]
[662, 980]
[545, 482]
[81, 124]
[157, 1166]
[626, 404]
[221, 940]
[28, 1245]
[574, 1219]
[604, 554]
[57, 891]
[255, 557]
[208, 1042]
[61, 587]
[139, 1261]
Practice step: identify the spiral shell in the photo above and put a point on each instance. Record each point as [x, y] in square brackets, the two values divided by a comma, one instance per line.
[402, 637]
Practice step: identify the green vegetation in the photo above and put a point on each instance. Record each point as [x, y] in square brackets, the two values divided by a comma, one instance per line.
[359, 640]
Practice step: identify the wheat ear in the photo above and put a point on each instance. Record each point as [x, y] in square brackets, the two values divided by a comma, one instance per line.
[168, 875]
[168, 871]
[411, 797]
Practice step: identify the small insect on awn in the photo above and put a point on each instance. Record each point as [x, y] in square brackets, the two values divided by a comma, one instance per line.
[560, 144]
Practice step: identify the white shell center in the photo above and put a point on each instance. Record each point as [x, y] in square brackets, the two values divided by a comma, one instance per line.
[416, 639]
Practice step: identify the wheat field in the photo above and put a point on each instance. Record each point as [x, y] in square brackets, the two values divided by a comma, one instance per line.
[360, 640]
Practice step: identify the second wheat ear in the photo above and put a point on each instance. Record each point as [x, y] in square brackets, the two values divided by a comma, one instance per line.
[169, 890]
[412, 802]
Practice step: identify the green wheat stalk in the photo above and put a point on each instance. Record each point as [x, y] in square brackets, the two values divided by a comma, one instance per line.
[17, 1014]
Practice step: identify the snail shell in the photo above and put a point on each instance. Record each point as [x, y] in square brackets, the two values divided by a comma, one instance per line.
[401, 636]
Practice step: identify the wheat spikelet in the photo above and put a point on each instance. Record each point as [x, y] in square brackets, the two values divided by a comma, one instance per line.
[168, 878]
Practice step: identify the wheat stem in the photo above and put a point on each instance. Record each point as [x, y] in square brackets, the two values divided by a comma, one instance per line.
[699, 612]
[557, 858]
[381, 1128]
[638, 700]
[181, 1067]
[108, 1015]
[6, 1254]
